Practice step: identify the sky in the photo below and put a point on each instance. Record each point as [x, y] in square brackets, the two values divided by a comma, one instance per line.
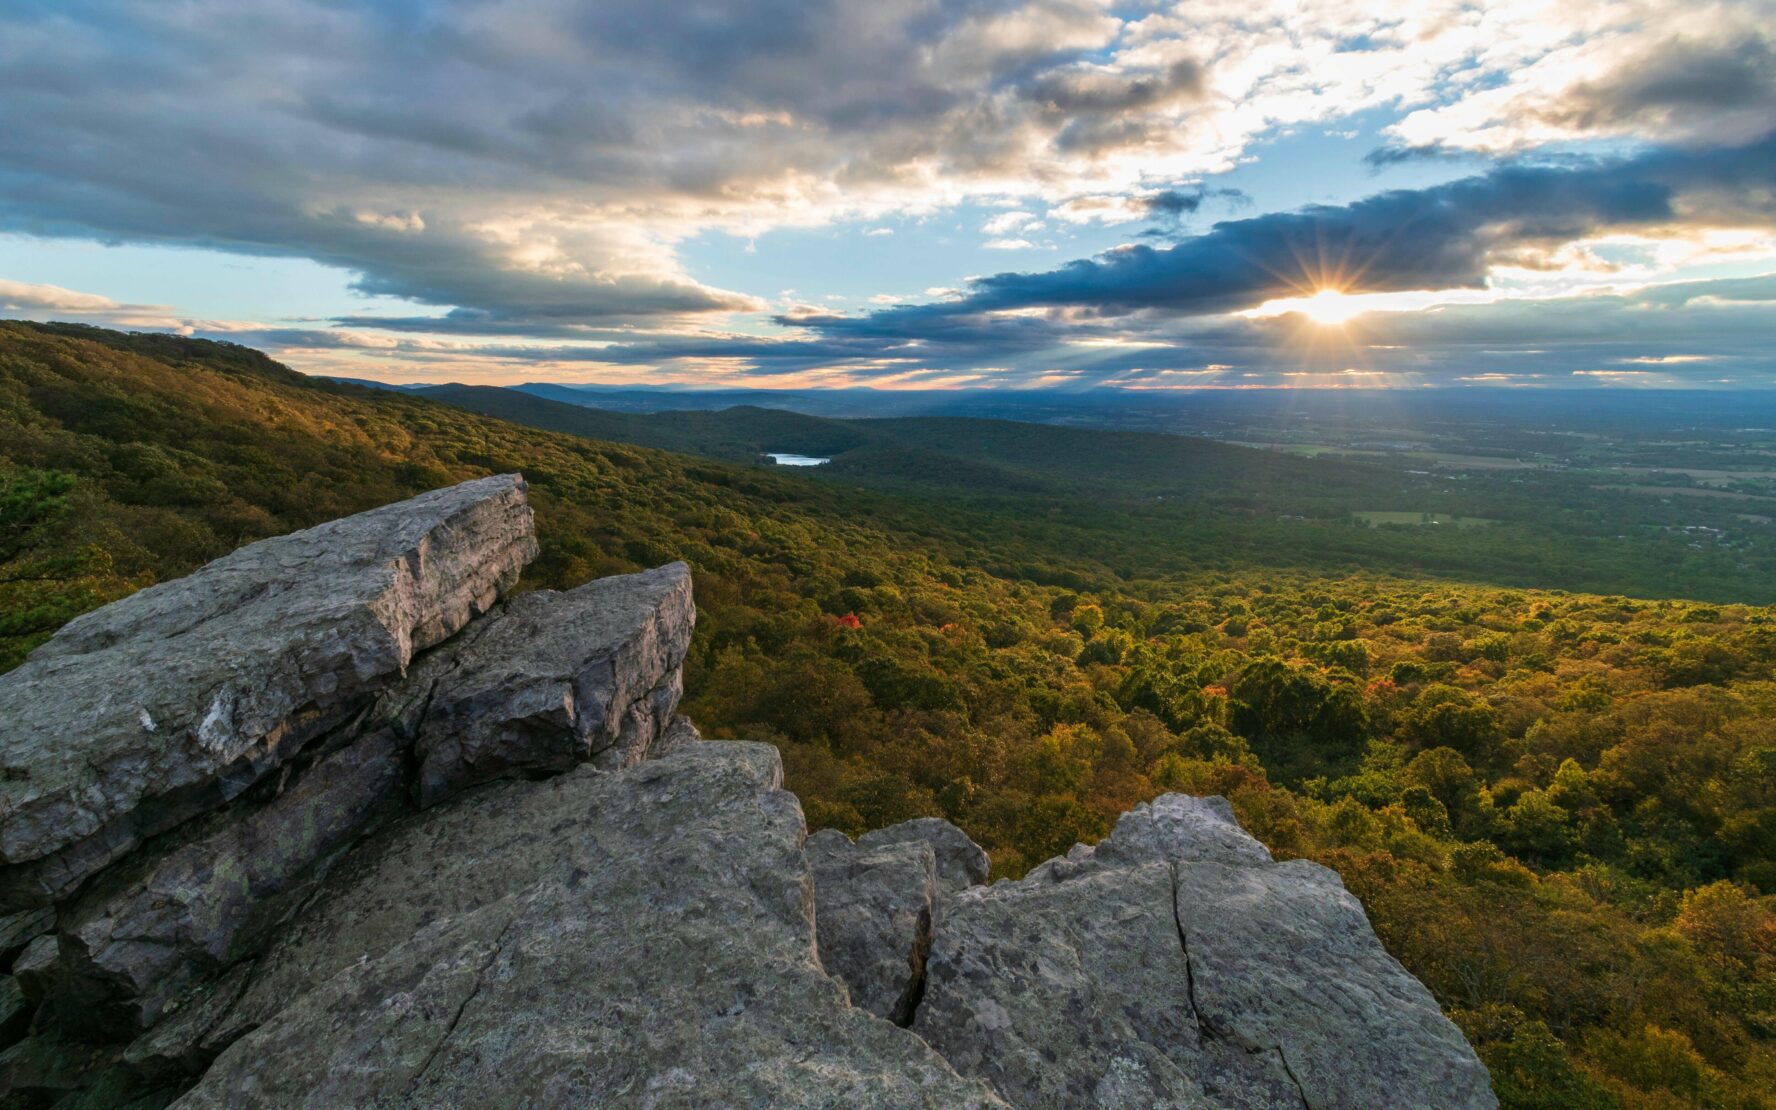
[907, 194]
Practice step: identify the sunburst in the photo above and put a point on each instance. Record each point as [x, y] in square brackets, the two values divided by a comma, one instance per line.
[1329, 308]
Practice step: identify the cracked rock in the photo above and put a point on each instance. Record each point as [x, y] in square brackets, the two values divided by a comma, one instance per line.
[656, 947]
[141, 936]
[1175, 964]
[874, 908]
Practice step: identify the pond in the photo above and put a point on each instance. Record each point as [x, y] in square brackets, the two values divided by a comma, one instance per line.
[782, 459]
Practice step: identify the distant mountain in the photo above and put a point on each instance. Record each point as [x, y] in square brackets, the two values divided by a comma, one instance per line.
[740, 433]
[814, 402]
[371, 383]
[1216, 411]
[973, 454]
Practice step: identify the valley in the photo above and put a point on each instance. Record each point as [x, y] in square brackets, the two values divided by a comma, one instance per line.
[1538, 750]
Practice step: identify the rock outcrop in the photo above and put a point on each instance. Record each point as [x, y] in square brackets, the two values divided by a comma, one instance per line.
[557, 680]
[175, 700]
[332, 822]
[1175, 964]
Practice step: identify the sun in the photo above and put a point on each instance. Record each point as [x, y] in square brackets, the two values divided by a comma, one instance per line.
[1329, 308]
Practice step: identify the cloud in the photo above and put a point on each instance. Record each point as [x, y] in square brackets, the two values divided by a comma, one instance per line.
[18, 296]
[1705, 74]
[1003, 222]
[30, 301]
[535, 159]
[1698, 332]
[532, 170]
[1444, 237]
[539, 159]
[1099, 209]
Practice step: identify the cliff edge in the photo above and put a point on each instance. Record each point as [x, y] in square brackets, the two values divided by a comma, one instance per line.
[336, 821]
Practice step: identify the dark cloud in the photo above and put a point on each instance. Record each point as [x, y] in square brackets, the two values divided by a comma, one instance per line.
[1086, 92]
[1698, 332]
[1100, 111]
[1171, 209]
[531, 160]
[1175, 204]
[1444, 237]
[1383, 157]
[1693, 75]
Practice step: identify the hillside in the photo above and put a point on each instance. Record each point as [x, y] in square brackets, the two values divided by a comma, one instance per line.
[1559, 809]
[1143, 504]
[1024, 456]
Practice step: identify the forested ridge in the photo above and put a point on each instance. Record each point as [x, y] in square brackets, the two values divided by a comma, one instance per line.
[1558, 808]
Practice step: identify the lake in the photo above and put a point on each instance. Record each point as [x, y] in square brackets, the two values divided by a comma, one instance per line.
[795, 460]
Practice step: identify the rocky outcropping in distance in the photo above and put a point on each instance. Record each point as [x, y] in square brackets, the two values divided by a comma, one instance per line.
[334, 822]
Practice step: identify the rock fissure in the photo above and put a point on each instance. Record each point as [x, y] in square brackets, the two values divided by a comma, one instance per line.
[1283, 1059]
[906, 1008]
[493, 954]
[1202, 1028]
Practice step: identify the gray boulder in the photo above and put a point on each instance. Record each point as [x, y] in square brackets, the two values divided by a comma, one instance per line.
[878, 900]
[644, 937]
[874, 908]
[166, 704]
[555, 679]
[1175, 964]
[1283, 961]
[546, 680]
[1178, 828]
[961, 863]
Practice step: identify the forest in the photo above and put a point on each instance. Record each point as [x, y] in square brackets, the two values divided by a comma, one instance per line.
[1558, 805]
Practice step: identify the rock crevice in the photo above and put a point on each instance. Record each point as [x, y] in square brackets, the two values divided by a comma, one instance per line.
[336, 821]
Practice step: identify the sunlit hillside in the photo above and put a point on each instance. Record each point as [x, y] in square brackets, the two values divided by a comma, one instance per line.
[1559, 809]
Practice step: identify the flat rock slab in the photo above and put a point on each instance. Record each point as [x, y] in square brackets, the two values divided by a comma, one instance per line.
[555, 679]
[170, 702]
[1175, 964]
[636, 938]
